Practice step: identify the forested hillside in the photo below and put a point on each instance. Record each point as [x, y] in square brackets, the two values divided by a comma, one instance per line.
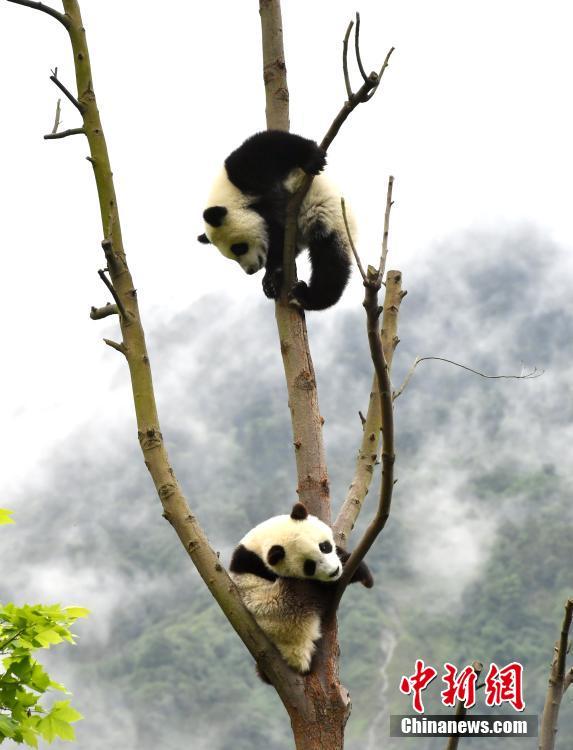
[475, 562]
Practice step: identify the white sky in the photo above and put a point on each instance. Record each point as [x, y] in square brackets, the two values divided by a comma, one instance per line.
[474, 120]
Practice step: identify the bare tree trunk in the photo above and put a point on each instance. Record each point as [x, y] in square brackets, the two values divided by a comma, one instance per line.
[321, 725]
[557, 684]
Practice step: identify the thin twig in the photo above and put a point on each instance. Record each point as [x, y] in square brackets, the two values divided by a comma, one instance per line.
[45, 9]
[97, 313]
[54, 78]
[357, 48]
[345, 60]
[535, 373]
[115, 295]
[351, 241]
[114, 345]
[568, 680]
[57, 118]
[382, 69]
[384, 254]
[12, 638]
[64, 134]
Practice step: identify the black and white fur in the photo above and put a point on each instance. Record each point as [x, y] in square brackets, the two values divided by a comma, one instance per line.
[272, 568]
[246, 216]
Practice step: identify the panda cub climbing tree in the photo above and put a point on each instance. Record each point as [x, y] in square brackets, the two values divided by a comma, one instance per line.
[246, 215]
[285, 569]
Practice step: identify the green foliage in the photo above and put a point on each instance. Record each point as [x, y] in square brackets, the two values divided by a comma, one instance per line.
[24, 681]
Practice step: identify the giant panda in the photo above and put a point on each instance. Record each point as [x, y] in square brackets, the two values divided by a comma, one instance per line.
[285, 569]
[246, 215]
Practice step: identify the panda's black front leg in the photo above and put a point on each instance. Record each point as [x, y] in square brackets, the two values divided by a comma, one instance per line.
[362, 573]
[331, 267]
[273, 278]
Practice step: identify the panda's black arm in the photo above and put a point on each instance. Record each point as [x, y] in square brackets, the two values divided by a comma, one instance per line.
[265, 159]
[362, 573]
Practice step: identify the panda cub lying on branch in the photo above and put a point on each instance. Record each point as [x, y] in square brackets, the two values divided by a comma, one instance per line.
[246, 216]
[285, 569]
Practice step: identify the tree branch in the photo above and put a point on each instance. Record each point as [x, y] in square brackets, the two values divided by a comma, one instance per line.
[175, 507]
[535, 373]
[97, 313]
[568, 680]
[118, 347]
[54, 78]
[557, 685]
[364, 94]
[274, 67]
[351, 241]
[357, 48]
[45, 9]
[345, 60]
[389, 204]
[312, 475]
[120, 306]
[64, 133]
[372, 285]
[373, 425]
[57, 117]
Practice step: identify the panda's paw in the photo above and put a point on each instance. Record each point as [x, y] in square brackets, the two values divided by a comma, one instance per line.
[273, 282]
[316, 161]
[298, 294]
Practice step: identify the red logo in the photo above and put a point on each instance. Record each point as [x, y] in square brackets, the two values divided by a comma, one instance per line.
[505, 686]
[501, 685]
[417, 682]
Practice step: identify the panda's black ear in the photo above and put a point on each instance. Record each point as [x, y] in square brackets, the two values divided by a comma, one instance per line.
[203, 239]
[214, 215]
[298, 512]
[275, 554]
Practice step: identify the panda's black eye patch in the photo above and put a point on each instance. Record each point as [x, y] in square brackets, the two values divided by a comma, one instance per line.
[239, 248]
[325, 547]
[275, 554]
[309, 567]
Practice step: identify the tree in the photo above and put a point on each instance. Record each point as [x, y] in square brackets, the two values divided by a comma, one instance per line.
[318, 706]
[23, 682]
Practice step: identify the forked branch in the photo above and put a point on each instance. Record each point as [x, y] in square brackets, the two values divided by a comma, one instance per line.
[373, 422]
[366, 91]
[372, 284]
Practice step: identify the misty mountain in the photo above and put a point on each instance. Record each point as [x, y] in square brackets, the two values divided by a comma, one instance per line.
[475, 562]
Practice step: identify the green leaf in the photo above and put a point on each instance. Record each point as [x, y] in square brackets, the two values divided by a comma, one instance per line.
[7, 726]
[5, 516]
[48, 638]
[76, 611]
[29, 736]
[50, 727]
[63, 711]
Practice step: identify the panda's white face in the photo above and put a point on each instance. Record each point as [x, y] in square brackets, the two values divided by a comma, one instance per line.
[238, 232]
[296, 548]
